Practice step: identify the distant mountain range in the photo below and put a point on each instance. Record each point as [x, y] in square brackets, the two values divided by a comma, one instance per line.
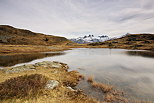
[90, 39]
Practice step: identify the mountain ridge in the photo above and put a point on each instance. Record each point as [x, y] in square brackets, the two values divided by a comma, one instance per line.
[15, 36]
[90, 39]
[129, 41]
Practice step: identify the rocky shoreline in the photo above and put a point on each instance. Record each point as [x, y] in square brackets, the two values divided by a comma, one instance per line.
[51, 82]
[59, 84]
[27, 67]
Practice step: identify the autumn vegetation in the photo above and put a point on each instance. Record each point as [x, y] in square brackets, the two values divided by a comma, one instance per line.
[28, 86]
[131, 41]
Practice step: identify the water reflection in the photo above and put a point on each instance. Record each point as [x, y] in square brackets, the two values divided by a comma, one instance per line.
[131, 71]
[149, 54]
[10, 60]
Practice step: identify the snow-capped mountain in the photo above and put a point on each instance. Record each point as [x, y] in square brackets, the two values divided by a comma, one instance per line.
[90, 39]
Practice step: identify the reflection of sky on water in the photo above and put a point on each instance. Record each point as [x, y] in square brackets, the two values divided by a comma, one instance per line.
[130, 70]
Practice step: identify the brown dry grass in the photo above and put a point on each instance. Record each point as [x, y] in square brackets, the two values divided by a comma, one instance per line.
[104, 87]
[61, 94]
[22, 86]
[14, 49]
[90, 79]
[110, 95]
[15, 36]
[69, 81]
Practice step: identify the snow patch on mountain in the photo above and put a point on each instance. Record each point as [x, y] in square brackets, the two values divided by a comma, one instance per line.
[90, 39]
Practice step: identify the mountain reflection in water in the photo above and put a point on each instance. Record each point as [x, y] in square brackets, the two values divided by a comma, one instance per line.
[10, 60]
[148, 54]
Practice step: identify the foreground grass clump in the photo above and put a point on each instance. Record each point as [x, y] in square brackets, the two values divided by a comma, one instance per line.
[104, 87]
[109, 94]
[22, 86]
[29, 86]
[90, 79]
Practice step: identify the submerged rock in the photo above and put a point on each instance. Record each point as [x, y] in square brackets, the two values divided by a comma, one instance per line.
[51, 84]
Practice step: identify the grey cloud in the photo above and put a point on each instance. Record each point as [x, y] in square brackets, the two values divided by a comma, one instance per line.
[72, 18]
[136, 15]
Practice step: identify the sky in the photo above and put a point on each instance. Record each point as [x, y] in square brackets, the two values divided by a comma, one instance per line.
[74, 18]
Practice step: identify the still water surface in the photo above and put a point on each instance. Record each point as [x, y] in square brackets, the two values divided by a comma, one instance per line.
[131, 71]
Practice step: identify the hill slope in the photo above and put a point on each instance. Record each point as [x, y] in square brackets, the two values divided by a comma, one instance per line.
[14, 36]
[131, 41]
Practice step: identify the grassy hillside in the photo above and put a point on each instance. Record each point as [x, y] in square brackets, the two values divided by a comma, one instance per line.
[132, 41]
[14, 36]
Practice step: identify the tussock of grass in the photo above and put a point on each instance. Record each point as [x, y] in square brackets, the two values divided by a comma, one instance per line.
[22, 86]
[72, 78]
[110, 95]
[104, 87]
[90, 79]
[81, 76]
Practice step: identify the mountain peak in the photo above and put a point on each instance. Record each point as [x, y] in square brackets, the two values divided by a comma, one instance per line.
[90, 39]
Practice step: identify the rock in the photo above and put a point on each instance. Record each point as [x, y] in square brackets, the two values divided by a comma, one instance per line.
[20, 68]
[51, 84]
[70, 88]
[45, 64]
[41, 63]
[49, 63]
[1, 68]
[29, 66]
[56, 65]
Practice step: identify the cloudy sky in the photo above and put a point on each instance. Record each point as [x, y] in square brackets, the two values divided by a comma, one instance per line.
[73, 18]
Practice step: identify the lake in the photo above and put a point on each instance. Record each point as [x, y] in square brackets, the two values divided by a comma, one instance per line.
[129, 70]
